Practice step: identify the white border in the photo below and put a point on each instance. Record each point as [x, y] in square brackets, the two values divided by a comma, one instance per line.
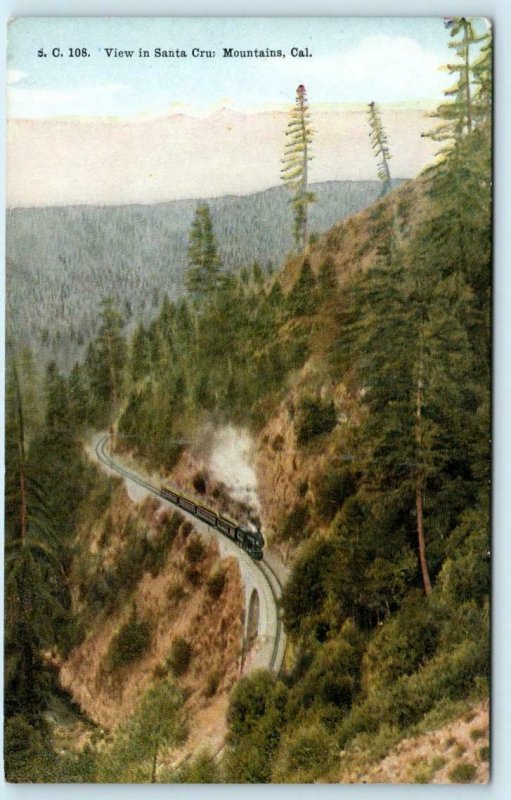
[500, 12]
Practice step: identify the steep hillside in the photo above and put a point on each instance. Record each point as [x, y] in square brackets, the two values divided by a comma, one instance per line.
[168, 585]
[454, 753]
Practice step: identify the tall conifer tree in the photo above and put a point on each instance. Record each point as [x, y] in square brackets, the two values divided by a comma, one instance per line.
[380, 145]
[294, 172]
[204, 262]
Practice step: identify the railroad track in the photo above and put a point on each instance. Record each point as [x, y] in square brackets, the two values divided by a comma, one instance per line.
[269, 574]
[272, 579]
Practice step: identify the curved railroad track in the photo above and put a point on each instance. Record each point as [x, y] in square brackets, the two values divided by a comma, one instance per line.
[270, 576]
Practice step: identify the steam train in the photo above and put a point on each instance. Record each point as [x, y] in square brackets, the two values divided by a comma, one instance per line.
[251, 541]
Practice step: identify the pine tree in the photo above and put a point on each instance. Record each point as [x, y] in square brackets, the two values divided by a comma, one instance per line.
[380, 145]
[295, 162]
[140, 362]
[156, 725]
[457, 115]
[483, 83]
[33, 572]
[302, 298]
[204, 264]
[78, 397]
[106, 358]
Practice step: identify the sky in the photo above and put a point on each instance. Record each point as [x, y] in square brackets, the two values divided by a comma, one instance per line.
[99, 130]
[354, 60]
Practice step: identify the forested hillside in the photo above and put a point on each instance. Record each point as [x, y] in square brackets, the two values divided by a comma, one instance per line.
[136, 255]
[361, 369]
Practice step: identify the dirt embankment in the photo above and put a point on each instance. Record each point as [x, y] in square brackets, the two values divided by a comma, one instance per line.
[455, 753]
[175, 602]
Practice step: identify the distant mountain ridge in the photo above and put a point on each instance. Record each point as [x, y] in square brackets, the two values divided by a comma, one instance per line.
[61, 261]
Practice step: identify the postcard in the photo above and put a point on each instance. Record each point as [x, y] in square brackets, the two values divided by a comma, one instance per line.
[248, 379]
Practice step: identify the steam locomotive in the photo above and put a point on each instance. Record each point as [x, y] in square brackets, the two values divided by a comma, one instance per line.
[251, 541]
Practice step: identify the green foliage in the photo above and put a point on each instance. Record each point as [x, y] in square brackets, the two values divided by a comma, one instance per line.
[331, 490]
[212, 683]
[314, 419]
[402, 644]
[28, 753]
[203, 768]
[305, 592]
[294, 172]
[305, 754]
[180, 656]
[203, 260]
[484, 753]
[129, 643]
[105, 362]
[216, 582]
[157, 724]
[331, 681]
[302, 299]
[195, 550]
[199, 482]
[294, 526]
[462, 773]
[255, 719]
[380, 144]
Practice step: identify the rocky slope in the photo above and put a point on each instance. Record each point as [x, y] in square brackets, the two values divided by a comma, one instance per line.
[176, 601]
[458, 752]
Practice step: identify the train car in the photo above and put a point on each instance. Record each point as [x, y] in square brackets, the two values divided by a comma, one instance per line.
[207, 515]
[169, 494]
[251, 541]
[187, 505]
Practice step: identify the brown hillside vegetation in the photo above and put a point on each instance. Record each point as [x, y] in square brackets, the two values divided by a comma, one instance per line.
[353, 244]
[455, 753]
[174, 601]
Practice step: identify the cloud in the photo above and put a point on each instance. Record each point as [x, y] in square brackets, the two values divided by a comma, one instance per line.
[382, 68]
[85, 100]
[15, 75]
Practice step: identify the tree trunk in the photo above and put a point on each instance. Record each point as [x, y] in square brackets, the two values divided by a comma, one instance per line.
[305, 174]
[153, 766]
[467, 77]
[420, 535]
[418, 486]
[21, 450]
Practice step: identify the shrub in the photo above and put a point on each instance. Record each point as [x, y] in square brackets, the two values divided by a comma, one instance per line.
[462, 773]
[130, 643]
[176, 592]
[305, 591]
[477, 733]
[278, 443]
[249, 701]
[195, 550]
[212, 683]
[303, 488]
[201, 769]
[314, 419]
[403, 643]
[170, 526]
[199, 482]
[332, 490]
[332, 680]
[180, 656]
[484, 753]
[186, 529]
[215, 583]
[293, 527]
[193, 576]
[305, 754]
[160, 671]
